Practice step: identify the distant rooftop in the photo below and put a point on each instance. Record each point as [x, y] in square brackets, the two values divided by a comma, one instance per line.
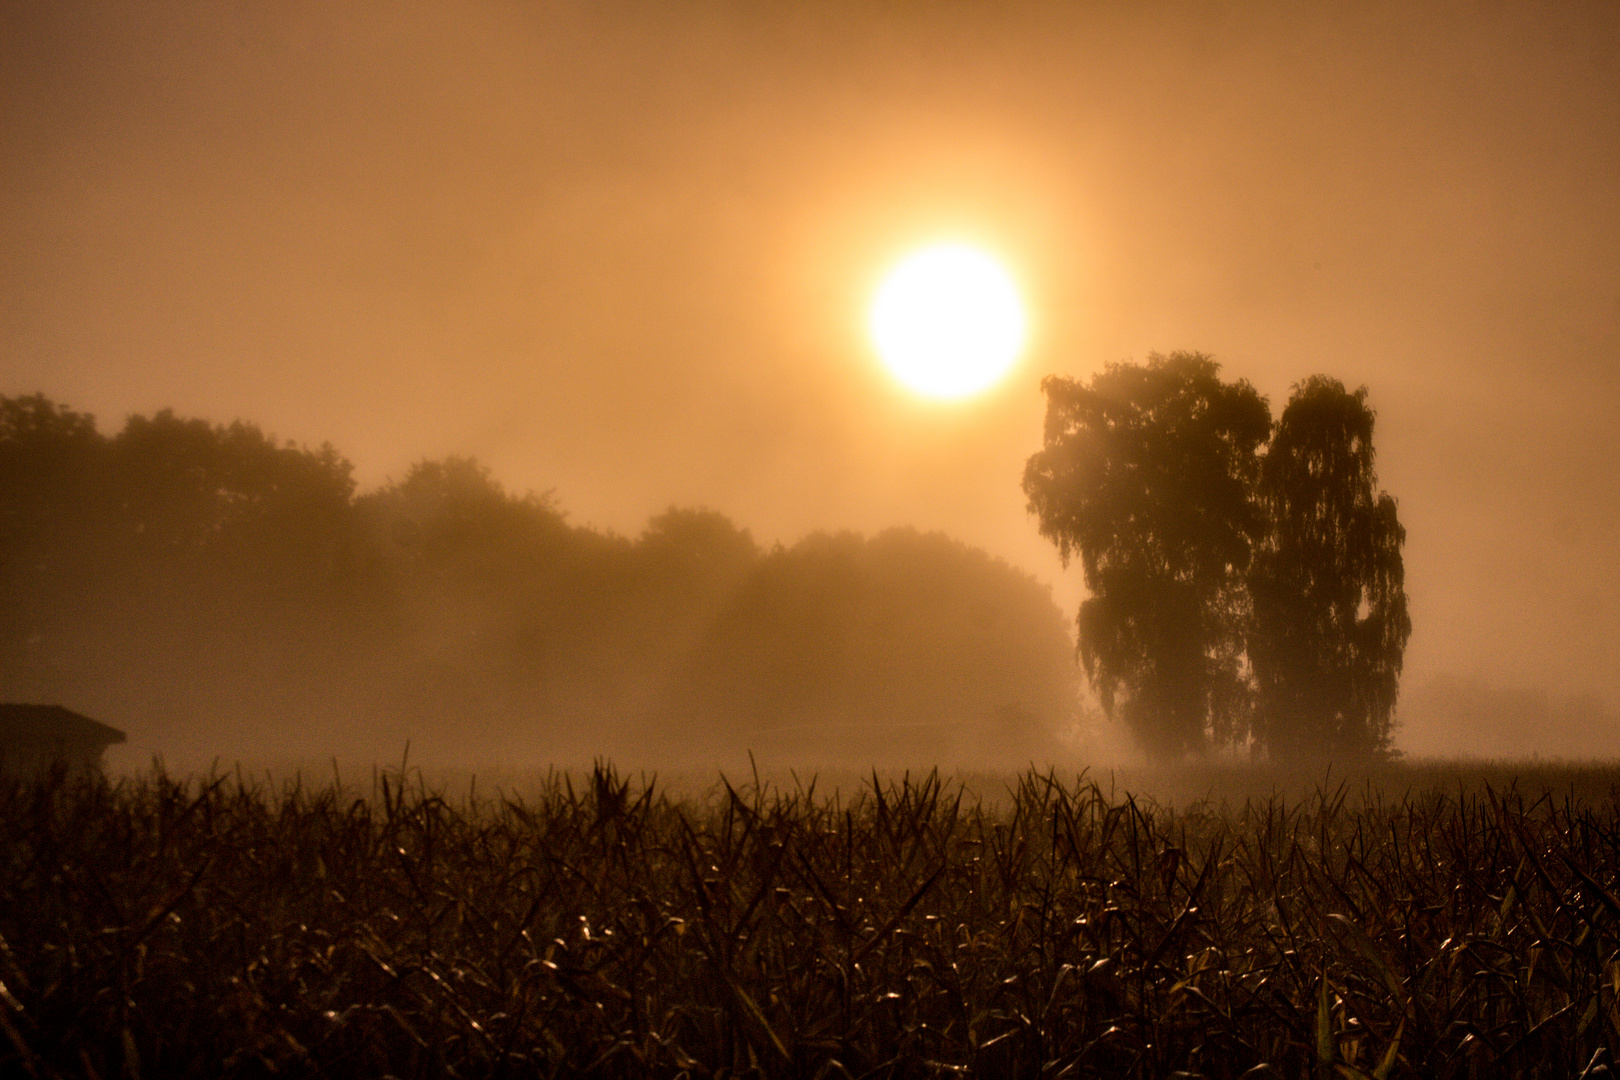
[36, 734]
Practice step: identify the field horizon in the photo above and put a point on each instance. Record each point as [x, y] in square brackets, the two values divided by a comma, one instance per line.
[1207, 783]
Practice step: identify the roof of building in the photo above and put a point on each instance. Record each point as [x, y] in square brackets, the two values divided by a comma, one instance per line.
[40, 723]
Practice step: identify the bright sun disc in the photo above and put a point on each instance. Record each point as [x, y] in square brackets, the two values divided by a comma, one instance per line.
[948, 321]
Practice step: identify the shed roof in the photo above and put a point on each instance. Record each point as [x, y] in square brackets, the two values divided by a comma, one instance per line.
[53, 723]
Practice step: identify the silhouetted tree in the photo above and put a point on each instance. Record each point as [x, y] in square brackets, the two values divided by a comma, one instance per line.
[48, 458]
[52, 517]
[1147, 475]
[209, 585]
[1330, 619]
[467, 587]
[450, 521]
[184, 487]
[695, 550]
[51, 465]
[904, 646]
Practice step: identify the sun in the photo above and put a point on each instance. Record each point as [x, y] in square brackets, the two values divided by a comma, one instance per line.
[948, 321]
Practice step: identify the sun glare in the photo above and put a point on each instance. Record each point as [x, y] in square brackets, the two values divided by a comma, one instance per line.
[948, 321]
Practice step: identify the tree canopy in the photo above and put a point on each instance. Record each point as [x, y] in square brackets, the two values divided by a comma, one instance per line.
[216, 591]
[1330, 616]
[1146, 475]
[1246, 583]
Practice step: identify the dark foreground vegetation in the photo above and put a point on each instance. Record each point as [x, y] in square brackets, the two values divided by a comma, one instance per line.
[596, 927]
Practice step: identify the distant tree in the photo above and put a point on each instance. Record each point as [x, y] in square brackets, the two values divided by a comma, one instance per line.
[51, 517]
[231, 590]
[902, 646]
[50, 463]
[685, 568]
[452, 521]
[461, 552]
[1147, 475]
[1330, 620]
[185, 487]
[695, 551]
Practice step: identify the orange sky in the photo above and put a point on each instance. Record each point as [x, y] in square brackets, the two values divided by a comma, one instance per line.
[620, 250]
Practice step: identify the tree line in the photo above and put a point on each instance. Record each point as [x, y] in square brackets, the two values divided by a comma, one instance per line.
[215, 591]
[1246, 580]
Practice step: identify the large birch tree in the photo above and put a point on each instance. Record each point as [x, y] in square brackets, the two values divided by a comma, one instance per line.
[1330, 620]
[1147, 476]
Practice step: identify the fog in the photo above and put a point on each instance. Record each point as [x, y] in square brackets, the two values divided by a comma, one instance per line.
[621, 252]
[231, 599]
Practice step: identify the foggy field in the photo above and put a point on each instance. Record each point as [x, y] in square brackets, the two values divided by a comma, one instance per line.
[743, 540]
[1429, 920]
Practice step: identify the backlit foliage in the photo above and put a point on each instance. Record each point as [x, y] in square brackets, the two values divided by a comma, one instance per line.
[1328, 583]
[1146, 476]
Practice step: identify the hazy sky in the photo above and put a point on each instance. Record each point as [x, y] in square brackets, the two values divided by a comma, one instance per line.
[622, 251]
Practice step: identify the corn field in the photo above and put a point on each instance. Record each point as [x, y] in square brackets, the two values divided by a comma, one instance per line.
[597, 926]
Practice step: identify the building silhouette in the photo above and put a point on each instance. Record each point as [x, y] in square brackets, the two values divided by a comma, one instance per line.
[34, 737]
